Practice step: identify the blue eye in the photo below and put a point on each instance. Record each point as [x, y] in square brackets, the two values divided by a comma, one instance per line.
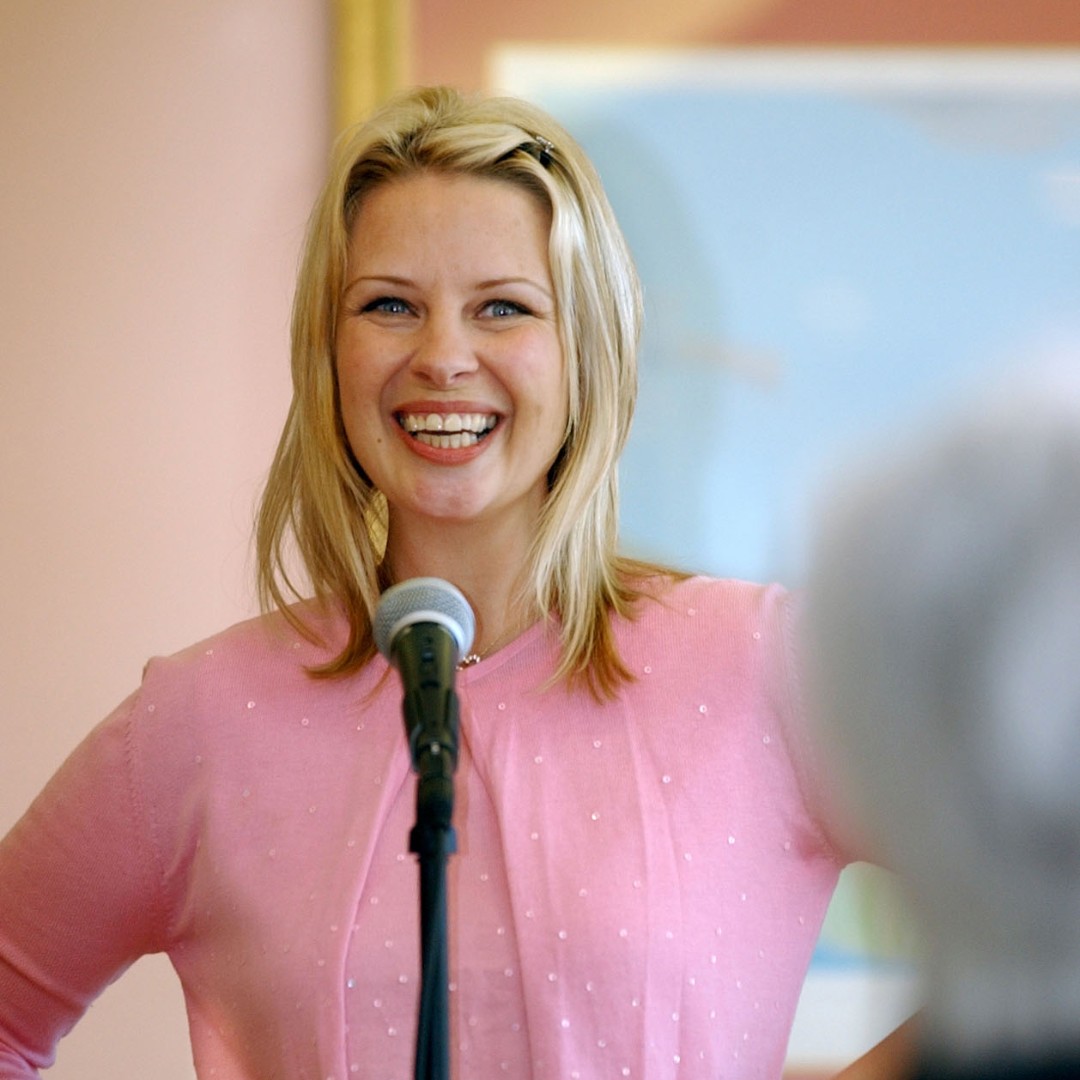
[502, 308]
[389, 305]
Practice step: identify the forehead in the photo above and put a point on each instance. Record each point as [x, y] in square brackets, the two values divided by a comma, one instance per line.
[435, 202]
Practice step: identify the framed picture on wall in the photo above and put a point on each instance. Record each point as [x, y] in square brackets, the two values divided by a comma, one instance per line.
[830, 242]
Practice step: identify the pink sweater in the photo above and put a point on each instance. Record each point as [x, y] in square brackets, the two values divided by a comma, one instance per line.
[637, 891]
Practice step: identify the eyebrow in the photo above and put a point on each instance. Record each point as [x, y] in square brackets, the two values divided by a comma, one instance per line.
[491, 283]
[388, 279]
[495, 283]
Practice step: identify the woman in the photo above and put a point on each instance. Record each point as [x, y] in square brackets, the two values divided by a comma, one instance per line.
[642, 868]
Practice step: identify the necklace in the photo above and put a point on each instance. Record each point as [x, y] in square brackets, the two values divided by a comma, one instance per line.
[475, 657]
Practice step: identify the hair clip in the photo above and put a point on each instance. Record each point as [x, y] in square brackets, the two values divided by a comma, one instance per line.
[543, 155]
[537, 147]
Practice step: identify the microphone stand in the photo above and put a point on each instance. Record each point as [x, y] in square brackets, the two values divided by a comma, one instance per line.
[433, 845]
[431, 721]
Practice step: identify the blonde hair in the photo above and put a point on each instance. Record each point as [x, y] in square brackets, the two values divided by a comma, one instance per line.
[317, 496]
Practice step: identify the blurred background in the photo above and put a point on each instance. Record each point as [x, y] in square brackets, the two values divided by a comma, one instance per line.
[844, 213]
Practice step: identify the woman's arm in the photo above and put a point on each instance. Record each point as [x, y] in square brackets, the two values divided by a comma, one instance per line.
[892, 1058]
[78, 898]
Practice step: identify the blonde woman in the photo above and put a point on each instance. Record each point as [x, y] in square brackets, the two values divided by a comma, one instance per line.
[642, 869]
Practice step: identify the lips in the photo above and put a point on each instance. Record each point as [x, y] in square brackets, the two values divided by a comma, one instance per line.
[448, 431]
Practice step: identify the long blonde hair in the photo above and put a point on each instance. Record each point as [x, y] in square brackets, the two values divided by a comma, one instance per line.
[316, 496]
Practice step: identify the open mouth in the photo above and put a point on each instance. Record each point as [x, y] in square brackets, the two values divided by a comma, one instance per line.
[448, 431]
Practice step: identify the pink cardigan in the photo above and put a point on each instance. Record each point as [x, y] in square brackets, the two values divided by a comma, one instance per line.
[637, 891]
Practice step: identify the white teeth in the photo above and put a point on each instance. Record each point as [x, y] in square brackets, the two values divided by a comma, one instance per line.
[448, 442]
[428, 424]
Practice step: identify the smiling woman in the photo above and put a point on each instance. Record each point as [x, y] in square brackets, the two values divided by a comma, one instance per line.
[645, 861]
[450, 310]
[472, 239]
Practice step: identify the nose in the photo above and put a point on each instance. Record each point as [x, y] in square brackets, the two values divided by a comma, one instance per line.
[444, 351]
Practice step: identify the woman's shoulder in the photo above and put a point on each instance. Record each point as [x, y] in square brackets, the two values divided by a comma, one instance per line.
[695, 615]
[275, 646]
[697, 596]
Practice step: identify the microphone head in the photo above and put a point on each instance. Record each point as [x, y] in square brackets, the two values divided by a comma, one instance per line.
[423, 600]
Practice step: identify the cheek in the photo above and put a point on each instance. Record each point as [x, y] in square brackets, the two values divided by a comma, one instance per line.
[357, 405]
[358, 379]
[545, 375]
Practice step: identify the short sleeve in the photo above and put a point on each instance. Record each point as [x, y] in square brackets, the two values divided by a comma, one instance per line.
[813, 768]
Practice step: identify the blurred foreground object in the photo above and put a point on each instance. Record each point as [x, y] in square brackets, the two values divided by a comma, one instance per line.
[944, 644]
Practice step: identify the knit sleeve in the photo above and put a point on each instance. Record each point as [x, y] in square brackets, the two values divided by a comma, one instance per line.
[79, 895]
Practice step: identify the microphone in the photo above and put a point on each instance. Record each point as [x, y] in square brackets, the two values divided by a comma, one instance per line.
[423, 627]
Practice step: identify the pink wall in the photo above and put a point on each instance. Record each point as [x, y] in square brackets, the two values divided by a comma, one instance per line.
[159, 163]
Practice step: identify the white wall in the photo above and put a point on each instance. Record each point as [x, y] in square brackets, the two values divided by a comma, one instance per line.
[159, 160]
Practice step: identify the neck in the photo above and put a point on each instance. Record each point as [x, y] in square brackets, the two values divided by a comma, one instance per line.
[487, 564]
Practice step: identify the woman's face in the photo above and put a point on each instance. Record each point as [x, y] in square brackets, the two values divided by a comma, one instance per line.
[452, 377]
